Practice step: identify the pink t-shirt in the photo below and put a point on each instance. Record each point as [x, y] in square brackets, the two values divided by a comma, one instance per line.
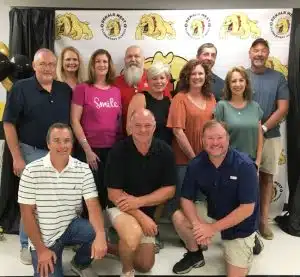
[101, 115]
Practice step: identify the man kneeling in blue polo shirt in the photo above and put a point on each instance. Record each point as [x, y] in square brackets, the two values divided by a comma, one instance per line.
[229, 180]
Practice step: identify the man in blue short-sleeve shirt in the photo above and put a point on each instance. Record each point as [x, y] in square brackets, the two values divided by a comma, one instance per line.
[270, 91]
[228, 178]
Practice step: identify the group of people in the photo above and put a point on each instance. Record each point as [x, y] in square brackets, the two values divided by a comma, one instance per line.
[137, 149]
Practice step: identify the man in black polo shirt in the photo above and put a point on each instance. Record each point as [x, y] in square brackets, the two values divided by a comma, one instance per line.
[207, 54]
[140, 174]
[32, 106]
[229, 180]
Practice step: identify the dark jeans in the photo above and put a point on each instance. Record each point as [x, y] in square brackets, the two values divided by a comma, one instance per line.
[102, 153]
[79, 232]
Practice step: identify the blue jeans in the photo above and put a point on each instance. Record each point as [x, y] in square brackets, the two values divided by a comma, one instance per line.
[30, 154]
[79, 232]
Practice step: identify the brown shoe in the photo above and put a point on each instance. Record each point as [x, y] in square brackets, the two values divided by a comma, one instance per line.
[266, 232]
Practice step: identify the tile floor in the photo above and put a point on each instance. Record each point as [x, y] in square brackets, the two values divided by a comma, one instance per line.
[280, 256]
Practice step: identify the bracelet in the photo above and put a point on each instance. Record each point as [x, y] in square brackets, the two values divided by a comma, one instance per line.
[265, 128]
[84, 140]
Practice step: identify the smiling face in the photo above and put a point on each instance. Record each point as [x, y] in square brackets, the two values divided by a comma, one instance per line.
[216, 141]
[60, 143]
[208, 56]
[44, 66]
[158, 83]
[134, 57]
[237, 84]
[258, 55]
[142, 126]
[197, 77]
[70, 61]
[101, 65]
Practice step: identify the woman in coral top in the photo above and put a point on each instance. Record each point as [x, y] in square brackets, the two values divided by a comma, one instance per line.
[189, 110]
[96, 117]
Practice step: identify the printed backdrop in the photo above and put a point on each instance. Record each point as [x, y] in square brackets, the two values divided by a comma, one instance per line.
[174, 36]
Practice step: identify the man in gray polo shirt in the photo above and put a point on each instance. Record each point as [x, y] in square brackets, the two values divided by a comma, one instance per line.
[271, 91]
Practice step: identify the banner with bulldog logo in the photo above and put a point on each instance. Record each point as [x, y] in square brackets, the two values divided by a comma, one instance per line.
[173, 37]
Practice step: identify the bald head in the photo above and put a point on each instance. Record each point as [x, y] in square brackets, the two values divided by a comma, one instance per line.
[142, 113]
[134, 48]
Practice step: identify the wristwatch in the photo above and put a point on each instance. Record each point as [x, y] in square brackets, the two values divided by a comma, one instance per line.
[265, 128]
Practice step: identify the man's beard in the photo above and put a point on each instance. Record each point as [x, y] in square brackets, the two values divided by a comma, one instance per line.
[133, 75]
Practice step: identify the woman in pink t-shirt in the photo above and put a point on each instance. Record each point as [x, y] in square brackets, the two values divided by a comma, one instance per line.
[96, 116]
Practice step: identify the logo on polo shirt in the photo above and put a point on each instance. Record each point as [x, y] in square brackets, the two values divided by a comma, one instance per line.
[197, 25]
[113, 26]
[280, 24]
[277, 191]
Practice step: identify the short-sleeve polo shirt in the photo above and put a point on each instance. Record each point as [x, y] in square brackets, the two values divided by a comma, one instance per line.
[138, 174]
[233, 183]
[33, 110]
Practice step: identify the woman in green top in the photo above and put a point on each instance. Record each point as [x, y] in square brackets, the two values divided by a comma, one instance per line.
[241, 114]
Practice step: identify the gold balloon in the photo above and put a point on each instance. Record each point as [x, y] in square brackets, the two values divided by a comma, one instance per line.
[7, 84]
[4, 48]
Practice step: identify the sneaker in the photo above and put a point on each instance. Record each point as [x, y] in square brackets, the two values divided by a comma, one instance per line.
[87, 272]
[128, 274]
[25, 256]
[159, 244]
[189, 261]
[266, 232]
[258, 245]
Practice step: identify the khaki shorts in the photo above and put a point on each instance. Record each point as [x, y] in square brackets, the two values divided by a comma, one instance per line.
[114, 212]
[270, 155]
[239, 252]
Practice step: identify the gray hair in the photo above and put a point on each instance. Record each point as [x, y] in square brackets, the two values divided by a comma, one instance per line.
[41, 51]
[158, 68]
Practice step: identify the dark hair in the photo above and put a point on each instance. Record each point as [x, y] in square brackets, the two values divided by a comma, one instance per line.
[58, 125]
[111, 74]
[260, 41]
[186, 72]
[212, 123]
[205, 45]
[227, 90]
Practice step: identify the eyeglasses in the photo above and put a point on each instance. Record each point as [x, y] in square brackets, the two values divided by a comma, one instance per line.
[45, 65]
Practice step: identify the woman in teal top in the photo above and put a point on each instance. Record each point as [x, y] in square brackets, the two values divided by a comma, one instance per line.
[241, 114]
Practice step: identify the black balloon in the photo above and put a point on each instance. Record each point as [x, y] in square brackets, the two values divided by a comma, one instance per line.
[22, 68]
[6, 67]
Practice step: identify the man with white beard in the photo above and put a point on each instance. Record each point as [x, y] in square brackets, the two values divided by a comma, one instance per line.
[133, 79]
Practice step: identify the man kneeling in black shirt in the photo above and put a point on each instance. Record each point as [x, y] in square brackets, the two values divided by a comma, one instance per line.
[140, 174]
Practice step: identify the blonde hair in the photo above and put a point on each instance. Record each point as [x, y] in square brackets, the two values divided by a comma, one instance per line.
[158, 68]
[80, 74]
